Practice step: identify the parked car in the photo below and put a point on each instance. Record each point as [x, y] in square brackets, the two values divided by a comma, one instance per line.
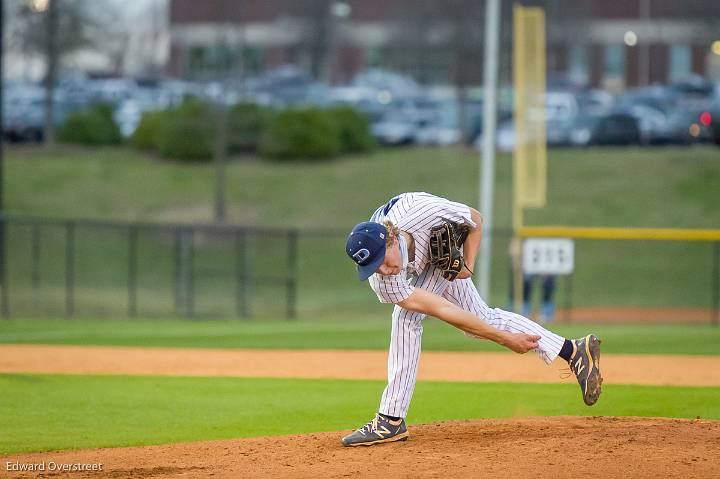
[560, 105]
[690, 126]
[714, 111]
[505, 137]
[595, 102]
[362, 99]
[657, 97]
[695, 93]
[396, 128]
[653, 123]
[557, 132]
[617, 128]
[24, 113]
[443, 127]
[391, 85]
[285, 86]
[112, 90]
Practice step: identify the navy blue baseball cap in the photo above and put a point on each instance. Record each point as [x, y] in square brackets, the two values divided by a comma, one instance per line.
[366, 246]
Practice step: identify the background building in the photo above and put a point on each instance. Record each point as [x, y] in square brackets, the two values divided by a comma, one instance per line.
[604, 43]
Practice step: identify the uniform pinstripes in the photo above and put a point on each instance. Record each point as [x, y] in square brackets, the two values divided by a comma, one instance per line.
[417, 213]
[463, 293]
[402, 361]
[414, 213]
[390, 289]
[405, 347]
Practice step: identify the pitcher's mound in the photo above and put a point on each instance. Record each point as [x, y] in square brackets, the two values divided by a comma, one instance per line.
[557, 447]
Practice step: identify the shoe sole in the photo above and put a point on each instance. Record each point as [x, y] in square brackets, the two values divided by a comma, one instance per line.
[400, 437]
[594, 380]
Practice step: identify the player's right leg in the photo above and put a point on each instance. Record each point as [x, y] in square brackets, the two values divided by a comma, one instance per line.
[464, 294]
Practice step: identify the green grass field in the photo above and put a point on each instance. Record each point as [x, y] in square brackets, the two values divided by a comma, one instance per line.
[43, 412]
[649, 187]
[351, 333]
[49, 412]
[642, 187]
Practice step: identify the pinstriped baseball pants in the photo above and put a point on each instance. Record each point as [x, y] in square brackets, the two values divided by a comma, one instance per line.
[406, 335]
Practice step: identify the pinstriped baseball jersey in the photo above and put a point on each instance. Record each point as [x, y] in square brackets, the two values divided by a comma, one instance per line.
[414, 213]
[417, 213]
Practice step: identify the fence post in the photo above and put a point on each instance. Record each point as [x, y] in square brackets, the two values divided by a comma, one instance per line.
[715, 320]
[241, 306]
[35, 273]
[4, 293]
[177, 273]
[190, 273]
[184, 300]
[292, 276]
[69, 269]
[248, 268]
[132, 270]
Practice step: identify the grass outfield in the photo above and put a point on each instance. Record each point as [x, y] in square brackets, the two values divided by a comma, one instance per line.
[586, 187]
[351, 333]
[51, 412]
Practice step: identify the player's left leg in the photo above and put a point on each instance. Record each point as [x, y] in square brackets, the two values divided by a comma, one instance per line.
[583, 355]
[403, 358]
[388, 425]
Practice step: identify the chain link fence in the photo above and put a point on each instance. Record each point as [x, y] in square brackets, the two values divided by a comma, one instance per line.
[82, 268]
[95, 268]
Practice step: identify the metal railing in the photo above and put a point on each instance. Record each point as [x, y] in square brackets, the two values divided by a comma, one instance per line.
[129, 256]
[91, 268]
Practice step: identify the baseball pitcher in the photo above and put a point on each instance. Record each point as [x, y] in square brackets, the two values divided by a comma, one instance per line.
[416, 253]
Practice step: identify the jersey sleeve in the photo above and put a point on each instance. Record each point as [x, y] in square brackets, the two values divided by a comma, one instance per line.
[390, 289]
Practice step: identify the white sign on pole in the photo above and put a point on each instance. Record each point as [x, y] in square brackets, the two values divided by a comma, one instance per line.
[548, 256]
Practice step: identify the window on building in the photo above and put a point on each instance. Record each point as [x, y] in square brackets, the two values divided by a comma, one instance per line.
[208, 60]
[195, 59]
[680, 62]
[614, 60]
[375, 57]
[614, 67]
[252, 59]
[578, 64]
[211, 61]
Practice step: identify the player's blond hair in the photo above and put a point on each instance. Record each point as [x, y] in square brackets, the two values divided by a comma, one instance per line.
[392, 230]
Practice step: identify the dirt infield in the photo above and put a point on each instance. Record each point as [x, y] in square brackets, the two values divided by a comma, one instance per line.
[593, 447]
[673, 370]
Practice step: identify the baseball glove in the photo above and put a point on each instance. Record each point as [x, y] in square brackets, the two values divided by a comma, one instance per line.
[444, 248]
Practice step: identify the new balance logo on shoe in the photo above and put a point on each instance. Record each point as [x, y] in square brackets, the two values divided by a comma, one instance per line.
[579, 366]
[585, 364]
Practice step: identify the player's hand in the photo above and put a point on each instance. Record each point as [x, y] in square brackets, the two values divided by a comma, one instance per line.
[521, 342]
[464, 274]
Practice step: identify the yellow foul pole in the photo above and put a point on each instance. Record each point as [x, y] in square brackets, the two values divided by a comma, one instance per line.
[530, 156]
